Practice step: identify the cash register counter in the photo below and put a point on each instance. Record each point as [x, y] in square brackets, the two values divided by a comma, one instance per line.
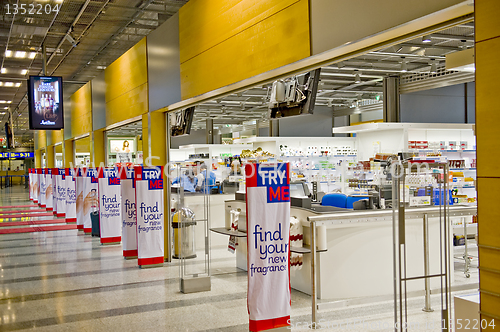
[357, 256]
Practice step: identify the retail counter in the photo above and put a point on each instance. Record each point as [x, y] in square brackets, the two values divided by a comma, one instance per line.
[358, 261]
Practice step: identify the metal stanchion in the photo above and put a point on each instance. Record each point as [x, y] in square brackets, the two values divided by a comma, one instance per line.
[427, 307]
[313, 272]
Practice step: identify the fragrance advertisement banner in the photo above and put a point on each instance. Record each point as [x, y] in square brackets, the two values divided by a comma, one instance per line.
[150, 216]
[268, 227]
[80, 188]
[61, 192]
[30, 178]
[55, 173]
[90, 198]
[129, 218]
[41, 186]
[109, 205]
[70, 184]
[49, 190]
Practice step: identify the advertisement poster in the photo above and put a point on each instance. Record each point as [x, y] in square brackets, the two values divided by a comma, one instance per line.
[55, 173]
[150, 216]
[129, 218]
[109, 205]
[80, 186]
[61, 192]
[268, 241]
[70, 183]
[42, 185]
[45, 100]
[90, 198]
[30, 178]
[49, 190]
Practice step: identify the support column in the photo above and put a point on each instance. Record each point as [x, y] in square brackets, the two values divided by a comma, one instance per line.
[257, 128]
[274, 128]
[69, 153]
[51, 156]
[487, 48]
[97, 148]
[391, 99]
[210, 131]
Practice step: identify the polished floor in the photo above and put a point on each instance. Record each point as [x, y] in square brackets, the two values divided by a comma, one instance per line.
[66, 281]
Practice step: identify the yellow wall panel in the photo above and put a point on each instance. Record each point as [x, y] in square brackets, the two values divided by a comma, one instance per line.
[145, 136]
[68, 153]
[38, 158]
[131, 104]
[490, 258]
[42, 139]
[487, 106]
[57, 136]
[489, 281]
[82, 145]
[81, 111]
[488, 227]
[274, 41]
[50, 156]
[127, 72]
[206, 23]
[97, 155]
[486, 20]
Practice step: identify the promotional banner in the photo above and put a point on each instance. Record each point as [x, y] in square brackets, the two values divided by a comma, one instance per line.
[36, 185]
[90, 198]
[129, 218]
[55, 174]
[49, 190]
[268, 241]
[80, 186]
[70, 184]
[109, 205]
[30, 178]
[43, 187]
[61, 192]
[150, 216]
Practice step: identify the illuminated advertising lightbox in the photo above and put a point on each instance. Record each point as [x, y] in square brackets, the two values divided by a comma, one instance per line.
[45, 102]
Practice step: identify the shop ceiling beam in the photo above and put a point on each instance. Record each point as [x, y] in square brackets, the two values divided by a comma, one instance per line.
[441, 47]
[451, 37]
[408, 56]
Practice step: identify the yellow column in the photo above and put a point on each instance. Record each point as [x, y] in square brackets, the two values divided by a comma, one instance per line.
[97, 155]
[51, 157]
[38, 158]
[69, 158]
[487, 49]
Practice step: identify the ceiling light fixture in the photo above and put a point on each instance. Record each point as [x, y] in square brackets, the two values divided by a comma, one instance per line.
[18, 85]
[3, 70]
[24, 72]
[20, 54]
[426, 39]
[9, 84]
[32, 55]
[8, 53]
[5, 101]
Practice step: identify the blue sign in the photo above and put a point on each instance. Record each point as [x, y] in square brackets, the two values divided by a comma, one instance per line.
[275, 178]
[16, 155]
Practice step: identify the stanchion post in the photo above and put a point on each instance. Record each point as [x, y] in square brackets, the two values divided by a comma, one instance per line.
[427, 307]
[313, 272]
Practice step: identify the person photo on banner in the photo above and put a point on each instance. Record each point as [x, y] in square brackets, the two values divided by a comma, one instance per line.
[48, 191]
[79, 203]
[90, 201]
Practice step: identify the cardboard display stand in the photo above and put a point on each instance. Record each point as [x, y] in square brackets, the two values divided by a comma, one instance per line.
[43, 187]
[61, 192]
[109, 205]
[80, 188]
[49, 190]
[90, 198]
[54, 174]
[129, 217]
[268, 245]
[70, 183]
[150, 215]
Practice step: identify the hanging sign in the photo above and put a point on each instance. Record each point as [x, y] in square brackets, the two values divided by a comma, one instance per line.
[55, 174]
[49, 191]
[129, 218]
[90, 198]
[41, 187]
[268, 244]
[150, 216]
[61, 192]
[109, 205]
[70, 184]
[80, 188]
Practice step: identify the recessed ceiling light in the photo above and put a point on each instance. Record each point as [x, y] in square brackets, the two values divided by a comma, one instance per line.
[9, 84]
[20, 54]
[24, 72]
[32, 55]
[18, 85]
[3, 70]
[426, 39]
[8, 53]
[4, 102]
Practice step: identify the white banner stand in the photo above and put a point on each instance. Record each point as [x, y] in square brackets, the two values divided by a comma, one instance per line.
[80, 188]
[70, 183]
[43, 188]
[109, 206]
[38, 194]
[30, 178]
[54, 174]
[129, 217]
[150, 216]
[90, 198]
[61, 192]
[268, 245]
[49, 190]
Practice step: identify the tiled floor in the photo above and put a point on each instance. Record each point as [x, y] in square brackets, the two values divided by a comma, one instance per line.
[64, 280]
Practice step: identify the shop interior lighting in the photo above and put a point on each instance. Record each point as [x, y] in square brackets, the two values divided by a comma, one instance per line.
[3, 70]
[18, 85]
[20, 54]
[5, 101]
[8, 53]
[32, 55]
[24, 72]
[9, 84]
[426, 39]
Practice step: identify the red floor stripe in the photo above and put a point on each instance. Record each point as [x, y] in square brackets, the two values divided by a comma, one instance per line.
[32, 222]
[37, 229]
[21, 211]
[18, 206]
[32, 215]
